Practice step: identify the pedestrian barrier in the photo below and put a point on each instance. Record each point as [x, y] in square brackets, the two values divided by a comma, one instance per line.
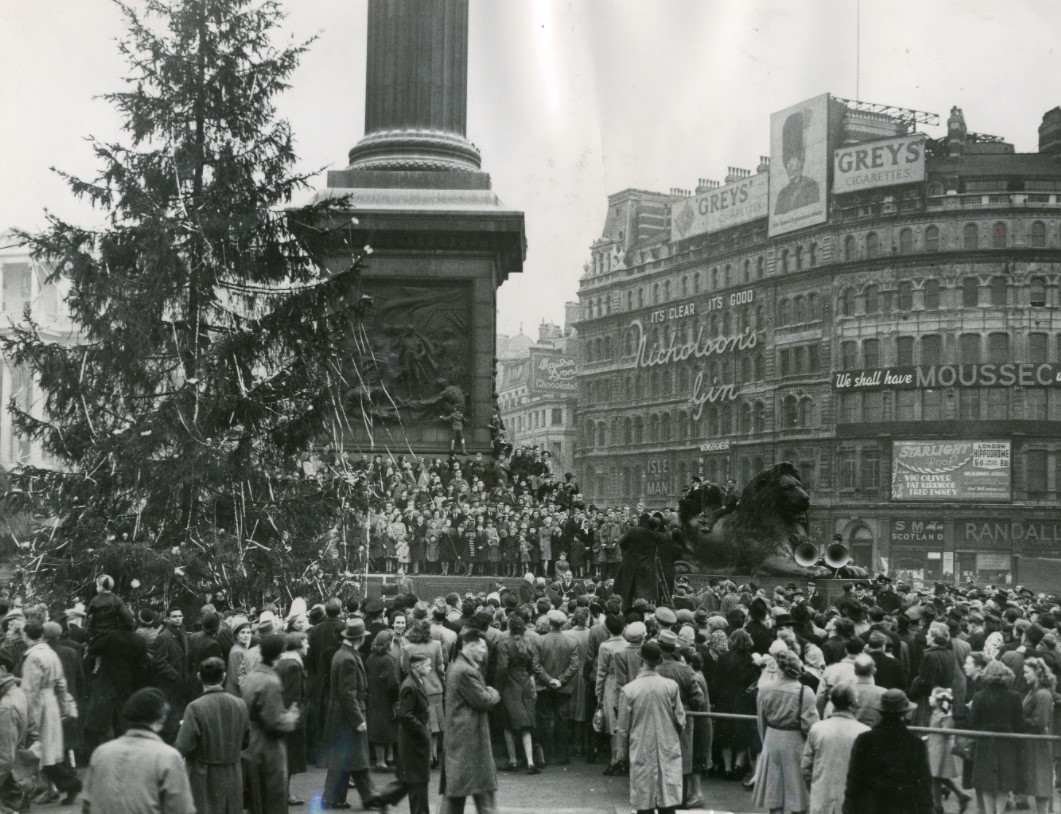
[928, 730]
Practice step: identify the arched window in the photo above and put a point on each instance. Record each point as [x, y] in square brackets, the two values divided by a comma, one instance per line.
[665, 382]
[759, 418]
[849, 247]
[998, 290]
[999, 235]
[685, 286]
[711, 418]
[813, 258]
[607, 347]
[747, 271]
[806, 411]
[629, 300]
[601, 437]
[970, 292]
[666, 290]
[714, 279]
[906, 241]
[799, 258]
[590, 433]
[727, 323]
[628, 431]
[664, 427]
[872, 301]
[906, 296]
[932, 239]
[682, 428]
[790, 412]
[696, 283]
[932, 295]
[653, 428]
[746, 370]
[847, 301]
[655, 294]
[639, 430]
[872, 244]
[1037, 295]
[760, 367]
[725, 420]
[760, 266]
[970, 236]
[745, 418]
[1038, 235]
[628, 388]
[641, 298]
[728, 275]
[782, 263]
[760, 318]
[801, 310]
[784, 312]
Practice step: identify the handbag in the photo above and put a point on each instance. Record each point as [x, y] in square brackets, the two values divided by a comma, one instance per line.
[963, 747]
[598, 720]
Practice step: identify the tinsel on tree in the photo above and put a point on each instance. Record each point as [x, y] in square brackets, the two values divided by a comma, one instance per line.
[210, 353]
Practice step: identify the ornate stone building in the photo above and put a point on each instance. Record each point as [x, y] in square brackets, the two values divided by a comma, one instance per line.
[904, 352]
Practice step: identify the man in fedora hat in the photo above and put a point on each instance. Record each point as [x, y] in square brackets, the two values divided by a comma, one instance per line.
[344, 749]
[888, 772]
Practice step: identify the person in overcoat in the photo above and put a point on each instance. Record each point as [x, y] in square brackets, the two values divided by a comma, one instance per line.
[693, 700]
[215, 730]
[414, 739]
[469, 766]
[996, 708]
[651, 720]
[293, 681]
[323, 642]
[827, 752]
[270, 721]
[1036, 757]
[122, 659]
[515, 681]
[381, 670]
[344, 749]
[418, 640]
[44, 686]
[888, 772]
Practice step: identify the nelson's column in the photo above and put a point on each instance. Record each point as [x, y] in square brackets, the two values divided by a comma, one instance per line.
[442, 242]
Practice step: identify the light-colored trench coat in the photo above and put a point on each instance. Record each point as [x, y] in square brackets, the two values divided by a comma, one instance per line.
[826, 756]
[469, 759]
[44, 685]
[651, 719]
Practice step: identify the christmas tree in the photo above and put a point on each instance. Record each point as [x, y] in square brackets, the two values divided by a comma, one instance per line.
[211, 348]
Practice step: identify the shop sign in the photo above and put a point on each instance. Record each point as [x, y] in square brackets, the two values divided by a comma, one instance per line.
[920, 533]
[993, 533]
[714, 446]
[927, 377]
[879, 164]
[951, 470]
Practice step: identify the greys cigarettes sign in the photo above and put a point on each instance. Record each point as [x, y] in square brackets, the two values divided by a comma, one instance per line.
[879, 164]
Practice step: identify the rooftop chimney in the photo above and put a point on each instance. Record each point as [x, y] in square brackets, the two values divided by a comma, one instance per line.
[1050, 132]
[956, 132]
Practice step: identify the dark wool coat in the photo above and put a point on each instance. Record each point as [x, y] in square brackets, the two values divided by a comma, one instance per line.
[266, 755]
[323, 644]
[469, 760]
[122, 658]
[414, 734]
[888, 772]
[344, 749]
[293, 684]
[637, 577]
[381, 669]
[215, 730]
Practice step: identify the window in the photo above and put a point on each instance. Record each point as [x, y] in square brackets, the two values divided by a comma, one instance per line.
[1037, 296]
[725, 420]
[639, 430]
[783, 261]
[931, 295]
[801, 310]
[851, 407]
[969, 349]
[872, 300]
[904, 351]
[932, 239]
[998, 348]
[969, 404]
[747, 271]
[799, 258]
[931, 405]
[847, 302]
[931, 349]
[784, 312]
[1035, 403]
[790, 412]
[813, 362]
[871, 353]
[655, 293]
[812, 307]
[759, 417]
[999, 233]
[1036, 473]
[806, 411]
[813, 257]
[745, 418]
[601, 438]
[1038, 235]
[685, 286]
[906, 241]
[998, 290]
[845, 468]
[970, 292]
[629, 300]
[849, 247]
[728, 274]
[785, 361]
[682, 426]
[760, 265]
[849, 354]
[1037, 347]
[557, 416]
[871, 467]
[696, 283]
[906, 297]
[797, 360]
[873, 406]
[997, 403]
[665, 427]
[666, 291]
[653, 428]
[904, 405]
[970, 236]
[872, 244]
[760, 367]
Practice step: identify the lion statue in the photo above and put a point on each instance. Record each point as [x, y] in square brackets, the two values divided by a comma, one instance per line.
[757, 533]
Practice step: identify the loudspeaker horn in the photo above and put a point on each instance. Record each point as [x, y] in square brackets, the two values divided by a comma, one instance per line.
[837, 555]
[806, 554]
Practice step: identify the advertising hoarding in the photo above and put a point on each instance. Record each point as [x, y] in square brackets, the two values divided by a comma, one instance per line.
[721, 208]
[920, 533]
[951, 470]
[1006, 374]
[799, 165]
[882, 163]
[552, 372]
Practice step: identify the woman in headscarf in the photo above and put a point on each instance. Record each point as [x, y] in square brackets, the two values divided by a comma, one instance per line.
[243, 634]
[786, 712]
[1036, 757]
[996, 708]
[993, 645]
[736, 672]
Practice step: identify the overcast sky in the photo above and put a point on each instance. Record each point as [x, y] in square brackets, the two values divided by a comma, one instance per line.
[569, 101]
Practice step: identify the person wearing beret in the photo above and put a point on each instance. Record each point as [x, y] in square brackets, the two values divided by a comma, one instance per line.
[137, 771]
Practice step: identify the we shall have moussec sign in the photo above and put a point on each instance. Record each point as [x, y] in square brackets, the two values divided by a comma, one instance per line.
[552, 373]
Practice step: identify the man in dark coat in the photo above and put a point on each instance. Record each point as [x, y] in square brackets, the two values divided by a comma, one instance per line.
[270, 721]
[888, 772]
[555, 665]
[644, 553]
[891, 674]
[469, 768]
[202, 646]
[215, 730]
[323, 644]
[169, 668]
[122, 656]
[414, 740]
[344, 750]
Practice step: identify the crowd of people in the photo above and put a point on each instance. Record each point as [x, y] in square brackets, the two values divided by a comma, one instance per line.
[219, 713]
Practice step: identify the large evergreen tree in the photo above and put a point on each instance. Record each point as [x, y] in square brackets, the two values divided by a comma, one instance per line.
[210, 349]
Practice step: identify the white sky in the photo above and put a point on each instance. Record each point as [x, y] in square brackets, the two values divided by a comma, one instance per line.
[569, 100]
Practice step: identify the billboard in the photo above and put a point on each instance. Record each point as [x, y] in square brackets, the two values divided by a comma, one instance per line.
[552, 372]
[951, 470]
[1006, 374]
[720, 208]
[880, 163]
[799, 165]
